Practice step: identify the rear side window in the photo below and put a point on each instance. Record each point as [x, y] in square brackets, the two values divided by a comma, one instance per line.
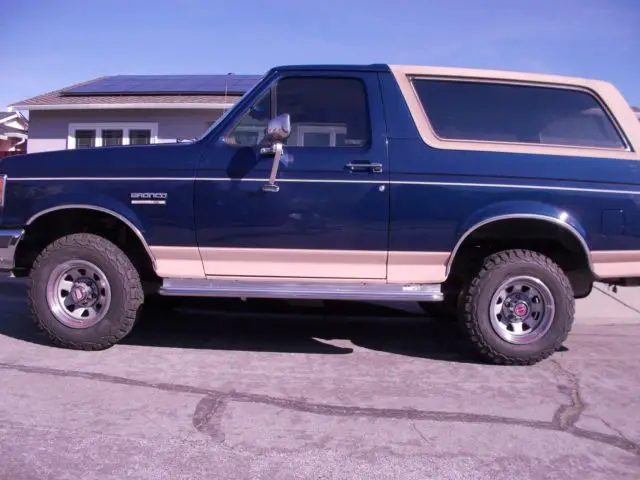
[479, 111]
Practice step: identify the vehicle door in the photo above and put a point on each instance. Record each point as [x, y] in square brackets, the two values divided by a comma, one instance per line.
[328, 215]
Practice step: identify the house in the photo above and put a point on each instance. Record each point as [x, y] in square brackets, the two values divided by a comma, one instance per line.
[13, 133]
[130, 109]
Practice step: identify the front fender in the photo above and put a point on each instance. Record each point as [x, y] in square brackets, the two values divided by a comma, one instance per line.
[37, 201]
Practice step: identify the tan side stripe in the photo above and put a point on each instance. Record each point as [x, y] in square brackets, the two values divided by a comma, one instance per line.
[616, 263]
[398, 267]
[299, 279]
[265, 262]
[417, 267]
[341, 265]
[178, 262]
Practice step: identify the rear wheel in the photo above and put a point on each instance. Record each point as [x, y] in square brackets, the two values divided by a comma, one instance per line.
[84, 292]
[518, 309]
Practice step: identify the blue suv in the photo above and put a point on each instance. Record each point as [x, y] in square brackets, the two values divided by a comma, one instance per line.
[496, 198]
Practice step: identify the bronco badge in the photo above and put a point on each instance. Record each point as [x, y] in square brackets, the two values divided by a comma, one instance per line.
[148, 198]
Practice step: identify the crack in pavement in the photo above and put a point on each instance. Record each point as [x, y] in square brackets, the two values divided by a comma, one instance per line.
[208, 414]
[417, 430]
[566, 416]
[614, 429]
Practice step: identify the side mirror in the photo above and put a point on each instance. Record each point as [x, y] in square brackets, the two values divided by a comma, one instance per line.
[278, 130]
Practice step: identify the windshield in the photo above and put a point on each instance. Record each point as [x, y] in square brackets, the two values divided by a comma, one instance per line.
[227, 111]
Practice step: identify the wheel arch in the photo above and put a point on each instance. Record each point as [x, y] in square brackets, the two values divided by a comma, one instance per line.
[560, 222]
[131, 225]
[538, 227]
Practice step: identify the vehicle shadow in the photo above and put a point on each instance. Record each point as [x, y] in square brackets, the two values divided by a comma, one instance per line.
[275, 326]
[328, 328]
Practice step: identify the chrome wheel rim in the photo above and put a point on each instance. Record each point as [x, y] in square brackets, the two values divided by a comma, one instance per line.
[522, 310]
[78, 294]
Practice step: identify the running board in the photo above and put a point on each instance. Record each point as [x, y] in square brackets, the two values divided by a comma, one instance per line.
[295, 290]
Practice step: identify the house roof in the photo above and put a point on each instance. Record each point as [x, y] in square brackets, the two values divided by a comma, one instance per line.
[93, 94]
[4, 115]
[7, 117]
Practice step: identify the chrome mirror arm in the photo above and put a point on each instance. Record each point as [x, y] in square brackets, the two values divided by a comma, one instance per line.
[268, 151]
[277, 149]
[278, 130]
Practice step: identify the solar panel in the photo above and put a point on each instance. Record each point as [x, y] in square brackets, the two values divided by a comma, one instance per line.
[167, 84]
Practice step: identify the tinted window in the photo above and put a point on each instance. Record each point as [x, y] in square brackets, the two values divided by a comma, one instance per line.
[507, 113]
[252, 127]
[325, 112]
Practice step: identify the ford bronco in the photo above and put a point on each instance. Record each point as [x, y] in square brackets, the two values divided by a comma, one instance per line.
[497, 197]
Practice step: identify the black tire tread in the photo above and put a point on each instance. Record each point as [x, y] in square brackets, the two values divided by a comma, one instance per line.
[129, 274]
[468, 318]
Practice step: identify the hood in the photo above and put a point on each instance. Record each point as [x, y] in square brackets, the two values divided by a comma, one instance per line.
[125, 161]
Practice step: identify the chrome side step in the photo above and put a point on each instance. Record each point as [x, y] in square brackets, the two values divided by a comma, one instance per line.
[304, 290]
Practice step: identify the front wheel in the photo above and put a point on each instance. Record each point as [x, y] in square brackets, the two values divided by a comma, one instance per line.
[518, 309]
[84, 292]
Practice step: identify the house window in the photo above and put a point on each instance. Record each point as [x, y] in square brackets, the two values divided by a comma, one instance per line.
[85, 138]
[87, 135]
[321, 135]
[139, 136]
[112, 138]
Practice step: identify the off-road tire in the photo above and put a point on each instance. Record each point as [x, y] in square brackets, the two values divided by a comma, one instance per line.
[475, 304]
[126, 292]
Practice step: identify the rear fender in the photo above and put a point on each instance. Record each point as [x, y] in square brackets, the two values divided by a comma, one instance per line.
[520, 210]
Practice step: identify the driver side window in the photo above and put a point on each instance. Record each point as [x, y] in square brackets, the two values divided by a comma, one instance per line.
[325, 112]
[250, 130]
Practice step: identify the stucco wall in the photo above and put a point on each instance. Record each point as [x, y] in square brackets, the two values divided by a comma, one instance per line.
[5, 145]
[48, 130]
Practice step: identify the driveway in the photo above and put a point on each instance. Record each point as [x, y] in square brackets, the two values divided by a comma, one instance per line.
[345, 391]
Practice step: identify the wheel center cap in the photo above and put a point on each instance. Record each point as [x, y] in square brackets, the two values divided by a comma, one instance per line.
[79, 293]
[521, 309]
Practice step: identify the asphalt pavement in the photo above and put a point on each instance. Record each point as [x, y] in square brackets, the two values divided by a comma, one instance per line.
[271, 390]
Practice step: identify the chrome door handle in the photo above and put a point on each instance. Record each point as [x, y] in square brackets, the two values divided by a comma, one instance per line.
[373, 167]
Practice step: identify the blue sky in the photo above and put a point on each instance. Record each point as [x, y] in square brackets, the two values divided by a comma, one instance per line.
[50, 44]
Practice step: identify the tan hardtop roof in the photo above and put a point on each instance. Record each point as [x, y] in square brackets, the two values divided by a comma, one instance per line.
[479, 73]
[613, 100]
